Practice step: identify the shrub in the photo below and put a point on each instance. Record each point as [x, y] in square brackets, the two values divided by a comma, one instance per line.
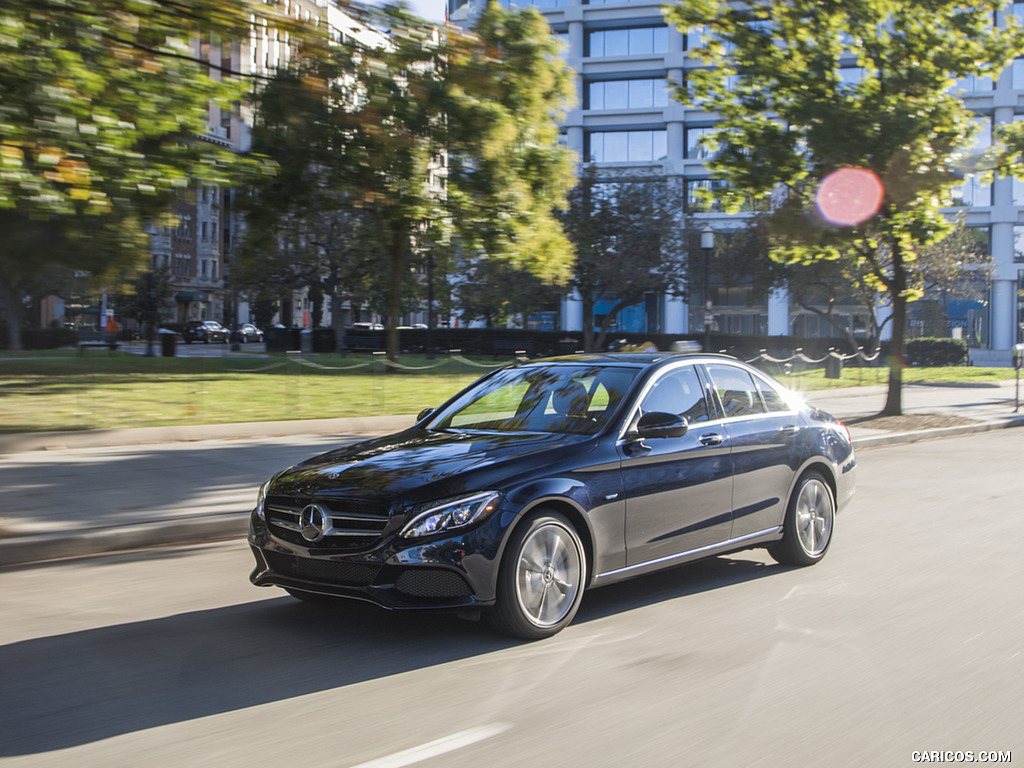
[40, 338]
[932, 352]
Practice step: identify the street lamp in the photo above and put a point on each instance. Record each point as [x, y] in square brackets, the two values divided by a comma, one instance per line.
[707, 244]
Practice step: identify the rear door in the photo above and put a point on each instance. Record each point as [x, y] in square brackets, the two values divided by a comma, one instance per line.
[764, 436]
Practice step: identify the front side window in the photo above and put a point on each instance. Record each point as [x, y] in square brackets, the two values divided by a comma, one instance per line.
[539, 398]
[736, 391]
[678, 392]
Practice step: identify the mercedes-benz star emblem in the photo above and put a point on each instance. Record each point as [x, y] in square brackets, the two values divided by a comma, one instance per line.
[313, 523]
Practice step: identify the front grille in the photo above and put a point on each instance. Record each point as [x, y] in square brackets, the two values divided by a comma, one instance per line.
[353, 523]
[328, 571]
[432, 582]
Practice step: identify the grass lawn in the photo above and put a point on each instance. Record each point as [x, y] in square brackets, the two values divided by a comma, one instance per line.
[59, 390]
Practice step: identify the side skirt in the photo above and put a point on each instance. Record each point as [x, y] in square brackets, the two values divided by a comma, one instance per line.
[732, 545]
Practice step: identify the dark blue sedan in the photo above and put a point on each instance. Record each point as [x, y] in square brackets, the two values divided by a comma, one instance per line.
[551, 477]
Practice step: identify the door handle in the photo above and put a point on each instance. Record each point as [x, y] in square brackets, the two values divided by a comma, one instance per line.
[711, 438]
[789, 430]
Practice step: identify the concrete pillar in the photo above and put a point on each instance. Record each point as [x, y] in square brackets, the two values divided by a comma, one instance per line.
[574, 139]
[674, 141]
[575, 40]
[1003, 311]
[778, 312]
[675, 314]
[572, 312]
[1003, 314]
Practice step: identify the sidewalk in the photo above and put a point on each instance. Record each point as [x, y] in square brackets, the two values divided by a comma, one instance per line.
[81, 493]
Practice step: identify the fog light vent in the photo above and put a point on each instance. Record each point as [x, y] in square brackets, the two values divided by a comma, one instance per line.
[426, 582]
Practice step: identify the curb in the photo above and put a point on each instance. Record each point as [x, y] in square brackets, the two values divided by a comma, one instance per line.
[41, 548]
[874, 441]
[45, 547]
[109, 438]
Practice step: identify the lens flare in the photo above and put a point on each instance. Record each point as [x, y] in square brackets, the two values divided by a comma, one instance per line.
[849, 196]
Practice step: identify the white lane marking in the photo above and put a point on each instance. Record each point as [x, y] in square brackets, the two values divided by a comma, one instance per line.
[437, 747]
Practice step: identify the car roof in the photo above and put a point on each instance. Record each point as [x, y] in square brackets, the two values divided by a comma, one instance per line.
[646, 359]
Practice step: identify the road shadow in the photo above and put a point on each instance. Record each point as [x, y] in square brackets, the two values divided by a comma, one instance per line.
[77, 688]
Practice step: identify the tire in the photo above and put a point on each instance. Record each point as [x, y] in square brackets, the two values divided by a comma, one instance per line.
[541, 579]
[810, 521]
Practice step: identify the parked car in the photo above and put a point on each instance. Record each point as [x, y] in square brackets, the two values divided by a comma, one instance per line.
[550, 477]
[206, 331]
[249, 332]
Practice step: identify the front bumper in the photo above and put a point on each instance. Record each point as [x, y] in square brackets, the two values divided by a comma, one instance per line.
[455, 572]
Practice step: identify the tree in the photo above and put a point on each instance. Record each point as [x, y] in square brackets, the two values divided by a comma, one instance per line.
[498, 292]
[101, 106]
[805, 89]
[629, 239]
[474, 112]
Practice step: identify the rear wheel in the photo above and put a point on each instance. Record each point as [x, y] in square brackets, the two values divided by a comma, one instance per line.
[541, 580]
[810, 517]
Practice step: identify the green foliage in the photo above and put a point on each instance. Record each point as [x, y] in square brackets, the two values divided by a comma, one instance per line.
[360, 132]
[102, 103]
[629, 241]
[930, 352]
[41, 338]
[789, 119]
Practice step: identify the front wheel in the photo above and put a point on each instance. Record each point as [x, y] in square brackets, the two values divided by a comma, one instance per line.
[541, 580]
[810, 517]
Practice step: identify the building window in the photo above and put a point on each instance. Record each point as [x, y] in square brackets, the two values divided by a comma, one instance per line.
[975, 192]
[698, 195]
[626, 146]
[1018, 244]
[972, 83]
[700, 143]
[644, 93]
[850, 77]
[538, 3]
[627, 42]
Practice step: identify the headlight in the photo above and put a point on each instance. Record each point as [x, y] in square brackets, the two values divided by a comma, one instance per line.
[261, 500]
[452, 514]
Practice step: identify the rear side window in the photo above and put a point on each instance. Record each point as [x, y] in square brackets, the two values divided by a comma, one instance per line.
[774, 401]
[736, 390]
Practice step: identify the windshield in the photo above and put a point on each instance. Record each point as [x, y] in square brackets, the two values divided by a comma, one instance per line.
[574, 399]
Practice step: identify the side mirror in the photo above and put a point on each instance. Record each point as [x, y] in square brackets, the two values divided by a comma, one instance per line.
[658, 424]
[423, 414]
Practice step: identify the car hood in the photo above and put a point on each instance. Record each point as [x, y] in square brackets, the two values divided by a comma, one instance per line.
[419, 463]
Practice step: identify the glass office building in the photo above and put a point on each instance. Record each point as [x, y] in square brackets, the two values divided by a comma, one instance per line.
[627, 123]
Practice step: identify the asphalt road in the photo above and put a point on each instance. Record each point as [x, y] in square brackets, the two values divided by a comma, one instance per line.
[907, 637]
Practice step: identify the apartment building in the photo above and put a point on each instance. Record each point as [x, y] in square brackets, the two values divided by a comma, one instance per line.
[196, 252]
[626, 123]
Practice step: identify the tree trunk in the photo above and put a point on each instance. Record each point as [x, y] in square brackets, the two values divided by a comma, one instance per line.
[12, 300]
[395, 294]
[606, 323]
[588, 324]
[897, 291]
